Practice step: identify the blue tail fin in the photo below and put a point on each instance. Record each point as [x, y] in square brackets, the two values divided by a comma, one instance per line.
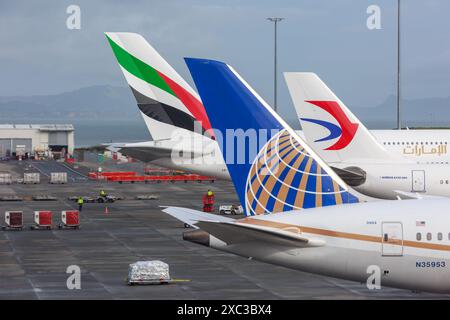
[282, 173]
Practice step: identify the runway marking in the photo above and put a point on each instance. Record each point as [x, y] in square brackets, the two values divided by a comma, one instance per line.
[32, 164]
[73, 170]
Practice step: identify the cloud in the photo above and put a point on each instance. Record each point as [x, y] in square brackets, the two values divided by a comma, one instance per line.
[40, 55]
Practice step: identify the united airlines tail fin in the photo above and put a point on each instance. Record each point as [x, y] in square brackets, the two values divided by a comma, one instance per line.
[330, 128]
[272, 169]
[165, 99]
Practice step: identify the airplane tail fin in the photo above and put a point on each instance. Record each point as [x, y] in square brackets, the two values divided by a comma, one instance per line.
[165, 99]
[331, 129]
[273, 170]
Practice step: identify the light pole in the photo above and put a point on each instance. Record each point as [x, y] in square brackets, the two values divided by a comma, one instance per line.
[399, 127]
[275, 21]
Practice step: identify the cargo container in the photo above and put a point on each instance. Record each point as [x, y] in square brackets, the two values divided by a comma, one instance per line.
[5, 178]
[70, 219]
[42, 220]
[31, 178]
[58, 177]
[14, 220]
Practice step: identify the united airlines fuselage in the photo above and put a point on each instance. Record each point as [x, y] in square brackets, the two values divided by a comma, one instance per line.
[404, 243]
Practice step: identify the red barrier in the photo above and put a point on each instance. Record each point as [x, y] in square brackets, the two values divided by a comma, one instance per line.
[131, 176]
[125, 178]
[106, 175]
[117, 173]
[170, 178]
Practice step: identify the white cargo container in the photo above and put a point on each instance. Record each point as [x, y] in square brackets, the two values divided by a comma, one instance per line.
[5, 178]
[32, 178]
[58, 177]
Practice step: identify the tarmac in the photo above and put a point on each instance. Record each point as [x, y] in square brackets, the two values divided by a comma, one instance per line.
[33, 263]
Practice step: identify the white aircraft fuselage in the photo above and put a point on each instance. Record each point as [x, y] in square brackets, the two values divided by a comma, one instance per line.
[425, 170]
[353, 240]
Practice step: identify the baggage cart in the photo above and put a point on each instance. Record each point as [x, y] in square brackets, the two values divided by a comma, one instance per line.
[58, 177]
[42, 220]
[13, 220]
[70, 219]
[31, 178]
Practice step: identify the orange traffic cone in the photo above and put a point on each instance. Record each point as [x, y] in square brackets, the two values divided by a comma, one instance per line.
[106, 210]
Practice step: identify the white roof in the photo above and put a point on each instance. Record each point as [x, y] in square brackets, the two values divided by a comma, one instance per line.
[41, 127]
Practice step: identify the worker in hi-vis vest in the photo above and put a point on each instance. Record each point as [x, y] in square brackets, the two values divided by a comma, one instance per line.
[208, 201]
[102, 193]
[80, 203]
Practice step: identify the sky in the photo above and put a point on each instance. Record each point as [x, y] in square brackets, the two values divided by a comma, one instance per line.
[40, 55]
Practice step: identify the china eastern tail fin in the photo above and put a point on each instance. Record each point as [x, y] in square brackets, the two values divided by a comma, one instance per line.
[330, 128]
[164, 98]
[272, 169]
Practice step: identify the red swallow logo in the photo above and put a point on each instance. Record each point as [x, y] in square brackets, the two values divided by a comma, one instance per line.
[348, 128]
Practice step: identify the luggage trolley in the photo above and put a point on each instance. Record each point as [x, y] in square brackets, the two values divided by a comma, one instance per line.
[42, 220]
[14, 220]
[70, 219]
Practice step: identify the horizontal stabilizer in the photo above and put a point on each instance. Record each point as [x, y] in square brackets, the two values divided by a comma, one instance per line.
[414, 195]
[149, 152]
[191, 217]
[353, 176]
[237, 232]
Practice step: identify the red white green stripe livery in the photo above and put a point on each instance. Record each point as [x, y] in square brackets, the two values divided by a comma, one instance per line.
[165, 99]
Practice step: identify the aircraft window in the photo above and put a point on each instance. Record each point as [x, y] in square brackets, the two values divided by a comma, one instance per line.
[449, 236]
[421, 142]
[384, 143]
[419, 236]
[429, 236]
[426, 143]
[440, 236]
[407, 143]
[389, 143]
[403, 143]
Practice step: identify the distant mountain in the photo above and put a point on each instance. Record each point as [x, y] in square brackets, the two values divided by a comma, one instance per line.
[428, 112]
[90, 103]
[107, 103]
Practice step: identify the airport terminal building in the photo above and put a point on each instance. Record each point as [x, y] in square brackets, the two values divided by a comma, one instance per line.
[36, 140]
